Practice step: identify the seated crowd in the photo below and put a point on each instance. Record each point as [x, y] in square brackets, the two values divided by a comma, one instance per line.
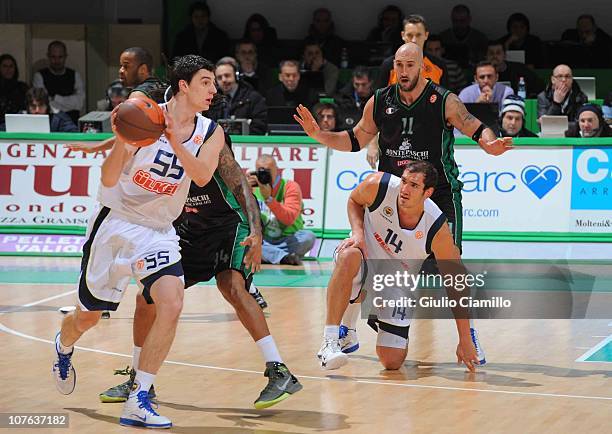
[261, 77]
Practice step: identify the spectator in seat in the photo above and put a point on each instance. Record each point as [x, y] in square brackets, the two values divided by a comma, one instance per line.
[463, 43]
[595, 44]
[415, 31]
[512, 118]
[258, 30]
[352, 98]
[322, 31]
[455, 78]
[590, 123]
[513, 71]
[388, 28]
[116, 93]
[257, 73]
[37, 101]
[290, 91]
[519, 38]
[12, 91]
[201, 36]
[326, 115]
[607, 107]
[562, 96]
[317, 67]
[285, 240]
[241, 100]
[63, 85]
[486, 89]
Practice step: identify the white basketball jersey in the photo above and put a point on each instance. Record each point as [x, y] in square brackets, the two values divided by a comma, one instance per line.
[153, 186]
[385, 238]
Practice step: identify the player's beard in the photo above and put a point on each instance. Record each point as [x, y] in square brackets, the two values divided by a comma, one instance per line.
[410, 85]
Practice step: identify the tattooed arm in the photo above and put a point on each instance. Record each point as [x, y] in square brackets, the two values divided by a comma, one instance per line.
[459, 117]
[234, 178]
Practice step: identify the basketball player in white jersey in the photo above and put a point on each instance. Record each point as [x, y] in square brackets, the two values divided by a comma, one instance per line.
[142, 192]
[391, 218]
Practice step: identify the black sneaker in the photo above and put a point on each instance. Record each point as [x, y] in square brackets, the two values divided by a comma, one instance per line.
[121, 392]
[261, 301]
[281, 385]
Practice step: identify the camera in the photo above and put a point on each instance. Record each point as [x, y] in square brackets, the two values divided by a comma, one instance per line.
[264, 176]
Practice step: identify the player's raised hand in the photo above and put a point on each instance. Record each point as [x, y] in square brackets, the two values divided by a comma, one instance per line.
[497, 146]
[307, 121]
[119, 137]
[466, 353]
[252, 259]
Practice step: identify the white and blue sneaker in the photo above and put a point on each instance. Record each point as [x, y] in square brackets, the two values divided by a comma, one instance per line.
[63, 371]
[349, 343]
[479, 351]
[330, 354]
[137, 411]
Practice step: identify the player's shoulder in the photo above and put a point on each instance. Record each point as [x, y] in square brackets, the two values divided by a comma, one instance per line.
[431, 209]
[153, 88]
[439, 90]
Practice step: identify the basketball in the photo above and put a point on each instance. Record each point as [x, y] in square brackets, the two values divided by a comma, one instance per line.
[139, 121]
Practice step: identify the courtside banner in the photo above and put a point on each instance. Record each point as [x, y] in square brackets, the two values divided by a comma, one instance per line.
[47, 184]
[345, 171]
[304, 164]
[525, 189]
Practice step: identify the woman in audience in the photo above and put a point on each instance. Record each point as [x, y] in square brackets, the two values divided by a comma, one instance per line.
[12, 91]
[258, 30]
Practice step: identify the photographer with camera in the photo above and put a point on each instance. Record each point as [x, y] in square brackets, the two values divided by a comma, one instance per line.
[284, 239]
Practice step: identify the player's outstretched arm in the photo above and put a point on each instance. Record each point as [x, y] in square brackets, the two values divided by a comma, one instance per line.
[234, 178]
[349, 141]
[449, 263]
[113, 164]
[459, 117]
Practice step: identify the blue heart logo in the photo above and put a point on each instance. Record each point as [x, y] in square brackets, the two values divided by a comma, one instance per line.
[541, 181]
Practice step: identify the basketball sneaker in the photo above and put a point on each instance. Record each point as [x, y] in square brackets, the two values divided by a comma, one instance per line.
[137, 411]
[349, 343]
[261, 301]
[331, 355]
[63, 371]
[121, 392]
[479, 351]
[280, 385]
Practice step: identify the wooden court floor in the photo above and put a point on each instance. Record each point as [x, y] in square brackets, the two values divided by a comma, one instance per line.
[532, 383]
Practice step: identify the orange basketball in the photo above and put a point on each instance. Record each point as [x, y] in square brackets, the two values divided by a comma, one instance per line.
[139, 121]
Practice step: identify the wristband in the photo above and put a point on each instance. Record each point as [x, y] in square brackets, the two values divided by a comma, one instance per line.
[354, 142]
[478, 132]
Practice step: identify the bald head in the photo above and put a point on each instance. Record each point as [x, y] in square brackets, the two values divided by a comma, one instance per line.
[562, 69]
[562, 76]
[410, 51]
[407, 65]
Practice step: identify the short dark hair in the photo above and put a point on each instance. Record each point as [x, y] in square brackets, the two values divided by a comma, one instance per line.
[361, 71]
[320, 106]
[56, 43]
[415, 19]
[494, 43]
[199, 6]
[483, 63]
[430, 174]
[588, 17]
[434, 37]
[185, 67]
[142, 56]
[288, 62]
[517, 18]
[37, 94]
[461, 8]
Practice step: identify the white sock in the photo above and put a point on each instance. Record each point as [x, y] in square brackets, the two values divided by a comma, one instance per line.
[135, 357]
[331, 332]
[252, 288]
[144, 380]
[268, 349]
[351, 314]
[62, 348]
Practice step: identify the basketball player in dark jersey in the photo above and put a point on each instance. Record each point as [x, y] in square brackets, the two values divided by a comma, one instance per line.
[415, 119]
